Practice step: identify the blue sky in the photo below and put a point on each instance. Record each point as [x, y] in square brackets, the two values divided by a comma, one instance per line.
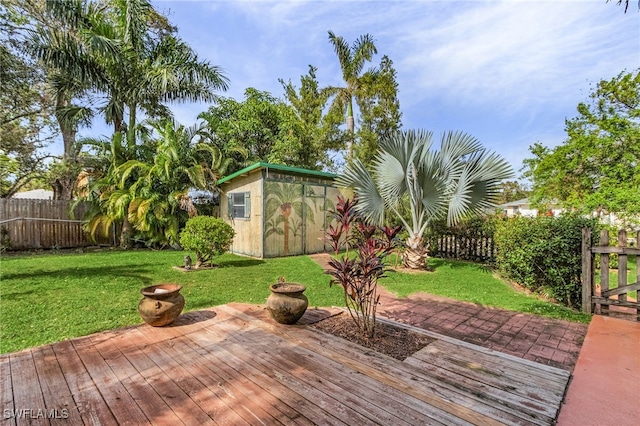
[507, 72]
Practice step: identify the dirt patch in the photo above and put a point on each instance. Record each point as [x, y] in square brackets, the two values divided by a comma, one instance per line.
[397, 342]
[404, 270]
[193, 269]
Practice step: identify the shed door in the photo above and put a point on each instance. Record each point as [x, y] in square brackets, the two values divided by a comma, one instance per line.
[283, 218]
[314, 218]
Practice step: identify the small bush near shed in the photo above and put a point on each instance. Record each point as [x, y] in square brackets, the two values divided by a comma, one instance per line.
[207, 236]
[544, 254]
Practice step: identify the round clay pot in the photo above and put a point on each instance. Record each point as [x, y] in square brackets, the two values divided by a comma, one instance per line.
[286, 303]
[161, 304]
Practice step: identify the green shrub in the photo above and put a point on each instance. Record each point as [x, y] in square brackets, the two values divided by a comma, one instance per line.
[207, 236]
[544, 254]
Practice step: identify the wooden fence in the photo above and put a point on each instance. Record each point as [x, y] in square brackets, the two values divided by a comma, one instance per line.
[592, 302]
[44, 224]
[474, 247]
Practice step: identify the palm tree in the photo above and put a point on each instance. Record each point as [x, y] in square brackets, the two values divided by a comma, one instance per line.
[108, 201]
[461, 178]
[126, 50]
[352, 60]
[51, 34]
[150, 192]
[160, 203]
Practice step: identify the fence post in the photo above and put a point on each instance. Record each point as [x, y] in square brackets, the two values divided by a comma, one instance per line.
[622, 264]
[587, 273]
[638, 273]
[604, 271]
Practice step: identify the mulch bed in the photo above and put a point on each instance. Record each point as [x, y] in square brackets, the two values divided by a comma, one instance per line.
[397, 342]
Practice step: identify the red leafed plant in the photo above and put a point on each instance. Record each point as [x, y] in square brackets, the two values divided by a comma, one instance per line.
[345, 216]
[359, 274]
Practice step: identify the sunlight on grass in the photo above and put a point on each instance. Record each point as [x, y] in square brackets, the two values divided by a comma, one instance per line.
[47, 298]
[632, 267]
[51, 297]
[473, 283]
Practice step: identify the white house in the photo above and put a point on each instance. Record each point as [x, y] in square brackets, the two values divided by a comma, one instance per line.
[35, 194]
[523, 208]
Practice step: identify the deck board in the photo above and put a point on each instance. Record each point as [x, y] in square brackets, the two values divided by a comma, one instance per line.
[233, 365]
[6, 392]
[151, 403]
[115, 394]
[23, 370]
[306, 378]
[54, 388]
[502, 374]
[90, 404]
[457, 404]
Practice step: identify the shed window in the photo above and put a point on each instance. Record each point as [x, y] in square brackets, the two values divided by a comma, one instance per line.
[239, 204]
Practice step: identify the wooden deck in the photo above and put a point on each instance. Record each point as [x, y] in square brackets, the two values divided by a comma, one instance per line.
[231, 365]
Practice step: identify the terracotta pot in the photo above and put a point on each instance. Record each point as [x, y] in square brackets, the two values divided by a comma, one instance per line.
[161, 304]
[286, 303]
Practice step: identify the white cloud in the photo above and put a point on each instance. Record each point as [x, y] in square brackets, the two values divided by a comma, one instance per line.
[517, 54]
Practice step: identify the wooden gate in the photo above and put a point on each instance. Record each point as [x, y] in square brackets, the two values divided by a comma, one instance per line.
[592, 302]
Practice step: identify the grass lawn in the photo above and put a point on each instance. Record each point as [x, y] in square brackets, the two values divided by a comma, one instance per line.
[51, 297]
[474, 283]
[632, 266]
[47, 298]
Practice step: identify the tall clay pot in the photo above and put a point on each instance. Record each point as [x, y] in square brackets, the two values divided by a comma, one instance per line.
[286, 303]
[161, 304]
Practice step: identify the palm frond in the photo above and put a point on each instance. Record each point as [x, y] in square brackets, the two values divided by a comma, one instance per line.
[371, 203]
[362, 51]
[343, 52]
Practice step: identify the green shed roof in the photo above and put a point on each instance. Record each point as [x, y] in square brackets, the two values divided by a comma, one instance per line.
[279, 167]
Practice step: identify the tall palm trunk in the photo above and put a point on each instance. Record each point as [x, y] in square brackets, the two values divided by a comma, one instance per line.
[350, 129]
[350, 121]
[67, 129]
[131, 135]
[63, 184]
[125, 233]
[127, 228]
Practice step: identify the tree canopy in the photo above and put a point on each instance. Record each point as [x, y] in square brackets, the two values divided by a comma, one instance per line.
[317, 131]
[259, 128]
[379, 110]
[512, 190]
[113, 57]
[27, 123]
[597, 168]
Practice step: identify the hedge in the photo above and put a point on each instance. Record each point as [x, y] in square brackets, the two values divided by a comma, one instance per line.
[544, 254]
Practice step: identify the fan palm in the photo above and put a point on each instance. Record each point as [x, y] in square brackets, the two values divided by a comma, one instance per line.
[461, 178]
[352, 60]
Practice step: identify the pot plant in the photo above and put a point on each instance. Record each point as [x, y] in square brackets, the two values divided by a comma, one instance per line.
[287, 304]
[161, 304]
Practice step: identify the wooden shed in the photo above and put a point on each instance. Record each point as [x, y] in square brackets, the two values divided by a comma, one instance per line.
[277, 210]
